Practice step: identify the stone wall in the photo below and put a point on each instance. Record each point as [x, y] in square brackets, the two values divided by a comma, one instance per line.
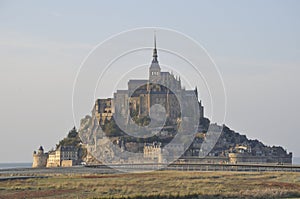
[246, 158]
[67, 163]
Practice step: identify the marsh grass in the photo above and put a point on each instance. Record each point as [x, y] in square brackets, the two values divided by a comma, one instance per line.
[159, 184]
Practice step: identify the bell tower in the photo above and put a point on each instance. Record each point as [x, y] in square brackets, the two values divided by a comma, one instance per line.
[154, 70]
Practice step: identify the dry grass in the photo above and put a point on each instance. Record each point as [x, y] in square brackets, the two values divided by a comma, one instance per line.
[158, 184]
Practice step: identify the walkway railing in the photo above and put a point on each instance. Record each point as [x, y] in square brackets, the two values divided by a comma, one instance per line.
[202, 167]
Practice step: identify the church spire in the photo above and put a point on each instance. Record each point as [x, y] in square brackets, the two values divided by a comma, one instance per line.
[154, 70]
[155, 50]
[196, 92]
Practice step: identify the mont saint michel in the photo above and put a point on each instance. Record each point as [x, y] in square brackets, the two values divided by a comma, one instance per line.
[128, 124]
[149, 99]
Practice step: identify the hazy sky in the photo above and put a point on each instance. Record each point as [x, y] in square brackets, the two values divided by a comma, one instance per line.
[42, 43]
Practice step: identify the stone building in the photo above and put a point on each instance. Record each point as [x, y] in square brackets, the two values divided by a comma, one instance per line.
[161, 88]
[63, 156]
[153, 152]
[104, 108]
[53, 159]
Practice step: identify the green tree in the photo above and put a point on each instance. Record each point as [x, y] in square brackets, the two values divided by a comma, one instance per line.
[72, 139]
[111, 129]
[73, 133]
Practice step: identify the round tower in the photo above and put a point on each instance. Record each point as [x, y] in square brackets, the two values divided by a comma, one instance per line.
[39, 158]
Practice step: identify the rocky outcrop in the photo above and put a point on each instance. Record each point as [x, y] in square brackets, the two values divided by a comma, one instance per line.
[216, 141]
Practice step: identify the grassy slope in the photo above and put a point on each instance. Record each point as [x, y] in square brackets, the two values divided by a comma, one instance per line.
[160, 183]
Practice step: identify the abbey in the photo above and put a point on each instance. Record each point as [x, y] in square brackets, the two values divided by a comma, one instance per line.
[111, 130]
[161, 88]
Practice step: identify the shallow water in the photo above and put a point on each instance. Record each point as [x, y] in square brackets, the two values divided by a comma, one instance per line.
[15, 165]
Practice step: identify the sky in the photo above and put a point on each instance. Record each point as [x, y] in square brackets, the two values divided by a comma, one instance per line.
[255, 45]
